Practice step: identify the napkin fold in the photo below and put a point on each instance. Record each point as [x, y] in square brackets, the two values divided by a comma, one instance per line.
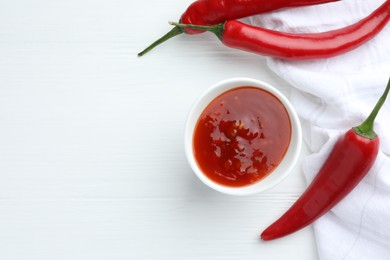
[331, 96]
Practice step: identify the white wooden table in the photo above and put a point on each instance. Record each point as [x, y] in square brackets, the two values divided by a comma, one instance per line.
[91, 139]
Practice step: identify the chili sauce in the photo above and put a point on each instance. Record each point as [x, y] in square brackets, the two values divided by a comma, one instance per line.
[241, 136]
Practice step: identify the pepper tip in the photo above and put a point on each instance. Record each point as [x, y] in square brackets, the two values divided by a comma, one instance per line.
[264, 237]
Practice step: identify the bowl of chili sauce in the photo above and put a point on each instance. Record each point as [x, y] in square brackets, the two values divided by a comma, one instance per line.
[242, 136]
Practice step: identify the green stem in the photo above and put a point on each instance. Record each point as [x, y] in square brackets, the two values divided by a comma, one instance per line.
[216, 29]
[172, 33]
[366, 129]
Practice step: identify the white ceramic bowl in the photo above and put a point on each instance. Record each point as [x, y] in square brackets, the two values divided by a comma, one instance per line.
[279, 173]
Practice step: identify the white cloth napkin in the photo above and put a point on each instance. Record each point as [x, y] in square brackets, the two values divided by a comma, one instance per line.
[330, 96]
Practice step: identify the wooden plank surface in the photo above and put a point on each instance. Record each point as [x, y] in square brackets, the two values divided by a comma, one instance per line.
[92, 164]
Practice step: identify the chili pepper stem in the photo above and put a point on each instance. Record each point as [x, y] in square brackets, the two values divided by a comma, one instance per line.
[217, 29]
[172, 33]
[366, 129]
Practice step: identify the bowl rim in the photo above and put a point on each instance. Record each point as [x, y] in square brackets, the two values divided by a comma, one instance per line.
[289, 160]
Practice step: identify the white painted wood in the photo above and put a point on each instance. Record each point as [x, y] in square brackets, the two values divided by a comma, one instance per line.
[91, 139]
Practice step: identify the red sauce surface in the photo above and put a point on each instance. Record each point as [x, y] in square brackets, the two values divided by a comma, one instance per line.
[241, 136]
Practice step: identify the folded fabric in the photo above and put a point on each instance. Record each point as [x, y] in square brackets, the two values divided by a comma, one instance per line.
[331, 96]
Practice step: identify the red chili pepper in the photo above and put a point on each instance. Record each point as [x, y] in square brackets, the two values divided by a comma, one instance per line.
[263, 41]
[210, 12]
[349, 161]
